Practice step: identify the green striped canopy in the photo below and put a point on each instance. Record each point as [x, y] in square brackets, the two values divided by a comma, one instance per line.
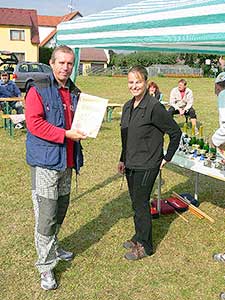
[162, 25]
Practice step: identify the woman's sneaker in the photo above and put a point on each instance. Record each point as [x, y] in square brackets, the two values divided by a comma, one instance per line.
[48, 281]
[129, 244]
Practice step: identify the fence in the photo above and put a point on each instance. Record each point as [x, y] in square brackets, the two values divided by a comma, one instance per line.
[153, 71]
[170, 70]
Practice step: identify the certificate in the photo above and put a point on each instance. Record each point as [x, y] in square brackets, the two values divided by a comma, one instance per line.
[89, 114]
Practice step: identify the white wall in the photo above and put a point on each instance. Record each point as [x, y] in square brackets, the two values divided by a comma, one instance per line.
[44, 32]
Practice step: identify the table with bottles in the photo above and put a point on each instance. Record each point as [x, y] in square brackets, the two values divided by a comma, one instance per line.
[195, 154]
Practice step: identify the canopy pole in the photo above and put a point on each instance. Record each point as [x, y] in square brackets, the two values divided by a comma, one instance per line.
[76, 64]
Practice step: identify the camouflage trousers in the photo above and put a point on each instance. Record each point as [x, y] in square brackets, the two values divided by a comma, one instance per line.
[50, 196]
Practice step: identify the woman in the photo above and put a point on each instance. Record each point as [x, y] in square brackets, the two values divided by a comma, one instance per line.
[143, 124]
[154, 90]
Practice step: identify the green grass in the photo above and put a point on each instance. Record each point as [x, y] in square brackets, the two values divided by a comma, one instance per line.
[100, 219]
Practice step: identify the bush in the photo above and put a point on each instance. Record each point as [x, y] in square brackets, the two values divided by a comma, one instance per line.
[45, 54]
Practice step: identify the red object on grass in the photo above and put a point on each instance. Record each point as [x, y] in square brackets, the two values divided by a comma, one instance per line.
[164, 205]
[177, 204]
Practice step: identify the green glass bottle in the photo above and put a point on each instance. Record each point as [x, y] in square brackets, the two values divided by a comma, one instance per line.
[206, 146]
[201, 139]
[212, 151]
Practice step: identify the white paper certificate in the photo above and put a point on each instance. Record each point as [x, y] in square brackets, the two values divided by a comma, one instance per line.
[89, 114]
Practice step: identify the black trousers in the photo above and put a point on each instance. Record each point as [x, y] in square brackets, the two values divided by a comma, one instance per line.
[189, 113]
[140, 184]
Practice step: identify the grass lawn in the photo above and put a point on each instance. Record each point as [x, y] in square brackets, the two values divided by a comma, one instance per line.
[100, 219]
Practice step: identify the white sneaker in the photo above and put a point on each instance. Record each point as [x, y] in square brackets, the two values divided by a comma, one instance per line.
[48, 281]
[18, 126]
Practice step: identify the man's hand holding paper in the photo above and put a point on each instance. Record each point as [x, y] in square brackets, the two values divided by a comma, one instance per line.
[75, 135]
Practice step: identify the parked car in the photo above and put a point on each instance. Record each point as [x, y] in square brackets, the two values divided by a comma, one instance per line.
[22, 73]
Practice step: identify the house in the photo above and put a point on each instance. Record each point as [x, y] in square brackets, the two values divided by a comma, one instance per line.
[19, 32]
[22, 31]
[47, 27]
[91, 60]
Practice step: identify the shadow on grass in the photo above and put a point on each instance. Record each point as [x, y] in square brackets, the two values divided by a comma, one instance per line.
[93, 231]
[120, 208]
[98, 186]
[209, 188]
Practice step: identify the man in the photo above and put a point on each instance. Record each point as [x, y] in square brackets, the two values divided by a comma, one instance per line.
[181, 101]
[9, 89]
[53, 150]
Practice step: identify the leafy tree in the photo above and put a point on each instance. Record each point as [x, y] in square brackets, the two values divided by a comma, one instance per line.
[45, 54]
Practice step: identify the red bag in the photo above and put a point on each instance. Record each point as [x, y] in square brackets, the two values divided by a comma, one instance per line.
[165, 207]
[154, 212]
[178, 205]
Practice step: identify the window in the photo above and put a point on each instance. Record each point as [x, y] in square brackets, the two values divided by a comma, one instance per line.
[46, 69]
[23, 68]
[17, 35]
[35, 68]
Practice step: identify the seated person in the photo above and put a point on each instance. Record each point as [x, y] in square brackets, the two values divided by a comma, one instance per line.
[181, 101]
[9, 89]
[154, 90]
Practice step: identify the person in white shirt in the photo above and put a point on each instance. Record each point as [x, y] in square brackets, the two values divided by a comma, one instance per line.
[181, 102]
[218, 139]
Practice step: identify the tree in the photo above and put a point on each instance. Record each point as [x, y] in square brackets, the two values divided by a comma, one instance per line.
[45, 54]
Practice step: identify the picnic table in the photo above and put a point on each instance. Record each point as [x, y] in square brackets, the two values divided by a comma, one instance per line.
[8, 118]
[110, 109]
[195, 165]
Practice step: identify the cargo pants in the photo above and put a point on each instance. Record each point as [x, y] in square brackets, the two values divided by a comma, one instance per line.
[50, 196]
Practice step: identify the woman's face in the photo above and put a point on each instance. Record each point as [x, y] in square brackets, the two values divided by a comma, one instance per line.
[152, 90]
[137, 84]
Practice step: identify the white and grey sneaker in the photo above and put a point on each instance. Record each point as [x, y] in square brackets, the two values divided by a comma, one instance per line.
[64, 255]
[48, 281]
[222, 296]
[19, 126]
[219, 257]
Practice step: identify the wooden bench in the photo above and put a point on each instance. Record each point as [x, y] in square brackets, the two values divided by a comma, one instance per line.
[9, 121]
[8, 124]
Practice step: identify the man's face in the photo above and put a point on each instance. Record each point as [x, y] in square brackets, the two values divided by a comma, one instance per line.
[4, 78]
[181, 86]
[62, 67]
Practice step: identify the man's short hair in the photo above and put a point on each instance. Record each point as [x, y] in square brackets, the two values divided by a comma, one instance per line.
[61, 48]
[182, 81]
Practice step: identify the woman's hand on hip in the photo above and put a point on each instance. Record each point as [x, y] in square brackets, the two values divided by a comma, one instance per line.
[121, 167]
[163, 163]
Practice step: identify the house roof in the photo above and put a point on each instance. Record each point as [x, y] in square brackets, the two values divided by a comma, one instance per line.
[92, 54]
[21, 17]
[53, 21]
